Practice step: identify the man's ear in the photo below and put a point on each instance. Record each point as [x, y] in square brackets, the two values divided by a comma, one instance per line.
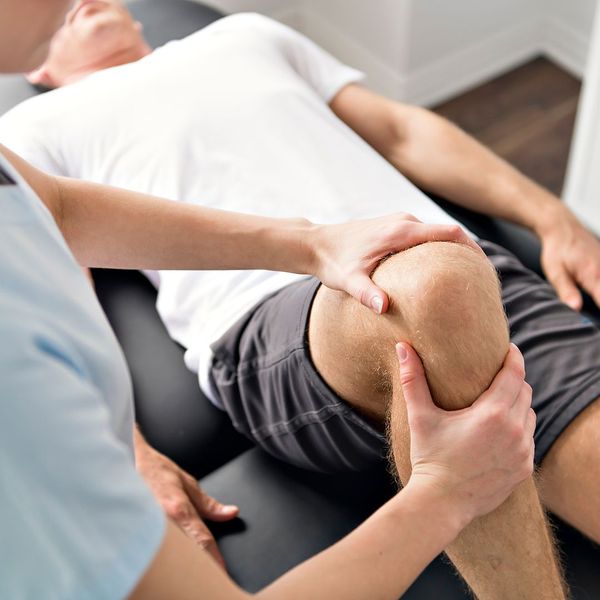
[40, 77]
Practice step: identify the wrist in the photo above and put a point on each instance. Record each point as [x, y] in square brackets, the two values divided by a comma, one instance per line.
[431, 500]
[526, 203]
[291, 245]
[550, 215]
[311, 247]
[539, 210]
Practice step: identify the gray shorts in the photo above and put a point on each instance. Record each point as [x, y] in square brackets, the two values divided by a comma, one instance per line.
[263, 374]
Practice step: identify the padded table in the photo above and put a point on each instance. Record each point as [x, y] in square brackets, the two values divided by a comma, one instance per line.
[287, 514]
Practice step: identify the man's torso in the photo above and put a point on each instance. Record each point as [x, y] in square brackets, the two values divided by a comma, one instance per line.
[234, 117]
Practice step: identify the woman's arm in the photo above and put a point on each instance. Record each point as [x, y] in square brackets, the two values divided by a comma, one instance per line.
[109, 227]
[382, 557]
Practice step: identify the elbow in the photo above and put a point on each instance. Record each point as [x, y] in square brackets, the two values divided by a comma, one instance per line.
[415, 133]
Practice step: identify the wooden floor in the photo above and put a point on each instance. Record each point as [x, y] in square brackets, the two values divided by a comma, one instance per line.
[525, 116]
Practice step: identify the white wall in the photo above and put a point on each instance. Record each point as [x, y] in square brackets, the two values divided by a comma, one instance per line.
[567, 31]
[358, 19]
[374, 41]
[426, 51]
[457, 45]
[440, 28]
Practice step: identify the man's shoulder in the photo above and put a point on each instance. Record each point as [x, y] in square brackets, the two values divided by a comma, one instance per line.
[31, 113]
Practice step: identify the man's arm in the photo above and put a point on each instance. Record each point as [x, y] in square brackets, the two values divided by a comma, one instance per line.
[110, 227]
[382, 557]
[180, 496]
[441, 158]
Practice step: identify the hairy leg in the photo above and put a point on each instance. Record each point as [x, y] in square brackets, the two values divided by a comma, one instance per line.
[569, 484]
[445, 302]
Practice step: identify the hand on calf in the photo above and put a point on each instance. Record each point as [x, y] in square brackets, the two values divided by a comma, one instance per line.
[474, 456]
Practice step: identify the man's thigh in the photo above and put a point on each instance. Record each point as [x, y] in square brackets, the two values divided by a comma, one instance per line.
[568, 481]
[264, 376]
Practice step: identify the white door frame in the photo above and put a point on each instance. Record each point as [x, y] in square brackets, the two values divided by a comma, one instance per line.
[582, 186]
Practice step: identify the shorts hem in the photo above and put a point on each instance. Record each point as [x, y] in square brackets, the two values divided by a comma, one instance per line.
[565, 417]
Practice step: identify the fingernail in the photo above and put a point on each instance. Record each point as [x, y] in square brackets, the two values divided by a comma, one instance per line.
[229, 508]
[377, 304]
[401, 352]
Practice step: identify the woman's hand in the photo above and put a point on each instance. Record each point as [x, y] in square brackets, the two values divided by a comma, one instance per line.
[347, 254]
[472, 457]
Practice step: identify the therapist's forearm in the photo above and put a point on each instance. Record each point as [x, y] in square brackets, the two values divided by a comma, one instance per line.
[382, 557]
[441, 158]
[109, 227]
[378, 560]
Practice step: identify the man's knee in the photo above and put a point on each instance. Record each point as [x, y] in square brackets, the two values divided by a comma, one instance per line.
[445, 301]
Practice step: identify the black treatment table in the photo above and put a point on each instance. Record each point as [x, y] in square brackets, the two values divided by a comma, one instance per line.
[287, 514]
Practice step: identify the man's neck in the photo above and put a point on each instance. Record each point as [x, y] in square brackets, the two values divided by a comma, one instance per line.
[120, 57]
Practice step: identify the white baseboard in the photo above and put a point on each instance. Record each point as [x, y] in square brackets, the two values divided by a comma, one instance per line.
[438, 81]
[472, 65]
[565, 46]
[449, 75]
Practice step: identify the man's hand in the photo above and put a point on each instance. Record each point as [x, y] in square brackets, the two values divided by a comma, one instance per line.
[570, 257]
[180, 496]
[347, 254]
[475, 456]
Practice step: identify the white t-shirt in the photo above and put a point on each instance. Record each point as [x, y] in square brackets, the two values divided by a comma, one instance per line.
[235, 117]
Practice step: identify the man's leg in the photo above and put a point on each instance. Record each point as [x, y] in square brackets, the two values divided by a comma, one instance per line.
[569, 482]
[445, 302]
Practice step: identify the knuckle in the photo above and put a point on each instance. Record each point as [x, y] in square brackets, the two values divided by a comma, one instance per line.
[363, 296]
[391, 234]
[179, 510]
[589, 265]
[191, 480]
[409, 377]
[209, 502]
[517, 369]
[495, 417]
[515, 433]
[205, 542]
[417, 422]
[524, 453]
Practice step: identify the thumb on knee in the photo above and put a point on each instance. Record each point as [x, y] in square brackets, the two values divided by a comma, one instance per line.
[414, 383]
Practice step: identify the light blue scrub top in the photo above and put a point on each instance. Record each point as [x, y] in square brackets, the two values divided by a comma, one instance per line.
[76, 520]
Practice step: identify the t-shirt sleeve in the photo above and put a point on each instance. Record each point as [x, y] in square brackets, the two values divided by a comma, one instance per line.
[77, 522]
[22, 132]
[321, 70]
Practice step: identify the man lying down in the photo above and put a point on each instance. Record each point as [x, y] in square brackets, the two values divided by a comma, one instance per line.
[249, 115]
